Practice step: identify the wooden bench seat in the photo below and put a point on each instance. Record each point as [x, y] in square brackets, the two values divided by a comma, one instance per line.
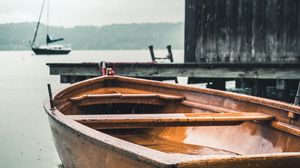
[168, 119]
[286, 127]
[155, 99]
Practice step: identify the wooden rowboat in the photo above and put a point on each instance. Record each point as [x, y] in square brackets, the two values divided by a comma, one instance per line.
[114, 121]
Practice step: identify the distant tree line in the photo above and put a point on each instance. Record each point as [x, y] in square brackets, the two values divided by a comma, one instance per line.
[16, 36]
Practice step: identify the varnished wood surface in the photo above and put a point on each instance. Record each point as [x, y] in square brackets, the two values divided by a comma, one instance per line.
[262, 161]
[119, 95]
[167, 120]
[287, 128]
[94, 99]
[78, 150]
[171, 147]
[258, 130]
[89, 148]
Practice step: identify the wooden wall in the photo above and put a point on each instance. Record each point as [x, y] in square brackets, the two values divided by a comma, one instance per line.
[242, 31]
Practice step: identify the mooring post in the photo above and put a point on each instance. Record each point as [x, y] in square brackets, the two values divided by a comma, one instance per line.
[152, 53]
[297, 98]
[103, 68]
[50, 97]
[170, 55]
[256, 88]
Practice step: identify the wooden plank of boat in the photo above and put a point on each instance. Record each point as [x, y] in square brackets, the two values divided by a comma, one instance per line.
[207, 107]
[286, 128]
[167, 120]
[162, 96]
[157, 99]
[168, 146]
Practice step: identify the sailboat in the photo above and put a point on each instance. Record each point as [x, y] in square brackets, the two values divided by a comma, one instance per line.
[49, 48]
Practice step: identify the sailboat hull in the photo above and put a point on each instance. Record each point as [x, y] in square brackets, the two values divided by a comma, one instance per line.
[43, 51]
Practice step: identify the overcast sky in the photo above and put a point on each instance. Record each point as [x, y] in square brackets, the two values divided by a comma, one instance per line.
[93, 12]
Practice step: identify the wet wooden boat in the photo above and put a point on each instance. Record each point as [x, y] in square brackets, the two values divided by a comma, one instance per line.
[114, 121]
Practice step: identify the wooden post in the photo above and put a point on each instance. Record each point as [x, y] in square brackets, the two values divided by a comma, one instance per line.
[170, 54]
[240, 83]
[152, 53]
[50, 96]
[103, 68]
[260, 87]
[281, 88]
[256, 90]
[297, 98]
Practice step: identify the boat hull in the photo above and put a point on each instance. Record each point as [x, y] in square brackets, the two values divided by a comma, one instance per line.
[40, 51]
[85, 142]
[77, 150]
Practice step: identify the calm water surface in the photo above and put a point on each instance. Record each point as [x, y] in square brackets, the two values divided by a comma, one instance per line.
[25, 137]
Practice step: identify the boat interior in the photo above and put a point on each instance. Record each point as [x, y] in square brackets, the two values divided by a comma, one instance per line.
[176, 120]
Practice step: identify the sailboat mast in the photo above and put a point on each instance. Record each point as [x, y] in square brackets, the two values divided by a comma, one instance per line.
[38, 24]
[48, 18]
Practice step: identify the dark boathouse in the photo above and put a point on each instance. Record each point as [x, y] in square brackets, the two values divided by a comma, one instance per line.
[261, 33]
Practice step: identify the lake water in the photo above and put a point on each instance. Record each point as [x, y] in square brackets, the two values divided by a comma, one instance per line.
[25, 137]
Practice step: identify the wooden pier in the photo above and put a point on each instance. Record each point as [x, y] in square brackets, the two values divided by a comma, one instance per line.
[258, 76]
[229, 71]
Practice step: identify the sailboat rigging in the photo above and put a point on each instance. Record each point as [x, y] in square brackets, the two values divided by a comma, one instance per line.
[49, 48]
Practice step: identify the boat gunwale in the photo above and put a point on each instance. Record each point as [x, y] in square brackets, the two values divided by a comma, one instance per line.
[235, 96]
[151, 156]
[221, 160]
